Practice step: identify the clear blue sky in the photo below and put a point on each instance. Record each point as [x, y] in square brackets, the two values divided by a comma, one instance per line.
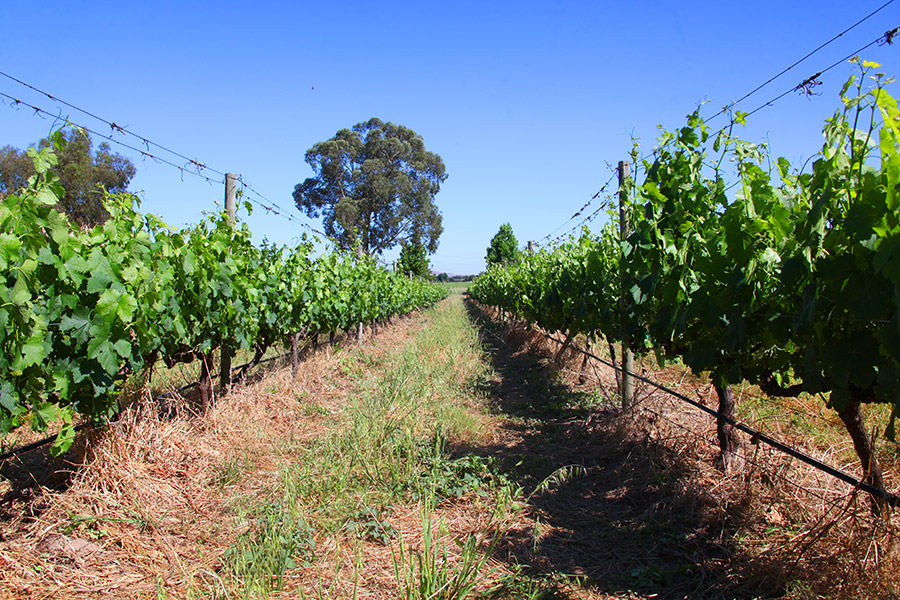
[526, 102]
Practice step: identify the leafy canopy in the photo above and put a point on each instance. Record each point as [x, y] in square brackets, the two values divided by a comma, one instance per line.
[504, 248]
[413, 260]
[374, 185]
[80, 307]
[84, 174]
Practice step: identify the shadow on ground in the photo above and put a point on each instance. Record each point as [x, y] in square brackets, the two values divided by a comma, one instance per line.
[627, 520]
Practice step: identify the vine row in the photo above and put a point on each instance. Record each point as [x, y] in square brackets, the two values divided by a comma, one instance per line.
[80, 310]
[792, 283]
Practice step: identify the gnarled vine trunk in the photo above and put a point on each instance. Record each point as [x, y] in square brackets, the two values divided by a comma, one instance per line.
[615, 363]
[205, 382]
[852, 418]
[729, 442]
[295, 354]
[588, 344]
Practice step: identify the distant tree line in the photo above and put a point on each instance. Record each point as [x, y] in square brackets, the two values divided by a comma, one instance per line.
[84, 174]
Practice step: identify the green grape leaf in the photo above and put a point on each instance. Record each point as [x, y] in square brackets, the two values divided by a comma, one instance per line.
[115, 303]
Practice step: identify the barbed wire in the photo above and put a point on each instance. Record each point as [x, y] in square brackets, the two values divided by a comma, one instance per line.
[797, 63]
[195, 168]
[563, 236]
[113, 126]
[605, 206]
[806, 86]
[812, 81]
[191, 166]
[578, 213]
[274, 208]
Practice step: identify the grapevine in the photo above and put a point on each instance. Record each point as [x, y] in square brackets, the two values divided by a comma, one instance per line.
[792, 283]
[81, 310]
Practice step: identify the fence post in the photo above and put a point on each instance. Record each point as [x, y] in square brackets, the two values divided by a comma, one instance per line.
[627, 390]
[225, 363]
[230, 194]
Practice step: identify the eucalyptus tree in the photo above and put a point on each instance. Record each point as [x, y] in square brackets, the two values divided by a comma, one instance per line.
[374, 186]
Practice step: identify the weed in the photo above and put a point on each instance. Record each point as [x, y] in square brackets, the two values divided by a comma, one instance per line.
[430, 574]
[657, 579]
[454, 478]
[261, 556]
[232, 470]
[519, 585]
[90, 526]
[307, 407]
[372, 525]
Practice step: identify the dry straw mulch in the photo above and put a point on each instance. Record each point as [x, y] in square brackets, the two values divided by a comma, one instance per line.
[151, 510]
[653, 516]
[157, 502]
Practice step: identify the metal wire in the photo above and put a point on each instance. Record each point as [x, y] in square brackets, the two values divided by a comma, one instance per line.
[890, 498]
[808, 55]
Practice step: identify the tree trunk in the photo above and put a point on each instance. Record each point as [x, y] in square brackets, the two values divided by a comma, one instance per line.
[295, 354]
[727, 434]
[582, 377]
[865, 450]
[205, 383]
[615, 363]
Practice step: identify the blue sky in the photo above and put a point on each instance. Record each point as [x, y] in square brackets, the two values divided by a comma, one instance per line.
[526, 102]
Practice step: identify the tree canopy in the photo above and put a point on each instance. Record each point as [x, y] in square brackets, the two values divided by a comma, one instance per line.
[374, 185]
[414, 260]
[504, 248]
[82, 173]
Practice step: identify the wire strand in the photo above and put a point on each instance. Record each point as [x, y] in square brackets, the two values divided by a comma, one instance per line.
[112, 125]
[808, 55]
[890, 498]
[196, 170]
[580, 210]
[192, 167]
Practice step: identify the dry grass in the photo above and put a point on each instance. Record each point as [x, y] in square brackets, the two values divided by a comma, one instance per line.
[153, 508]
[653, 516]
[611, 504]
[158, 503]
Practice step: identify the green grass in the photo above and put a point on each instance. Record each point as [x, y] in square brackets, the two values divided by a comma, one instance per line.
[456, 287]
[429, 574]
[407, 408]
